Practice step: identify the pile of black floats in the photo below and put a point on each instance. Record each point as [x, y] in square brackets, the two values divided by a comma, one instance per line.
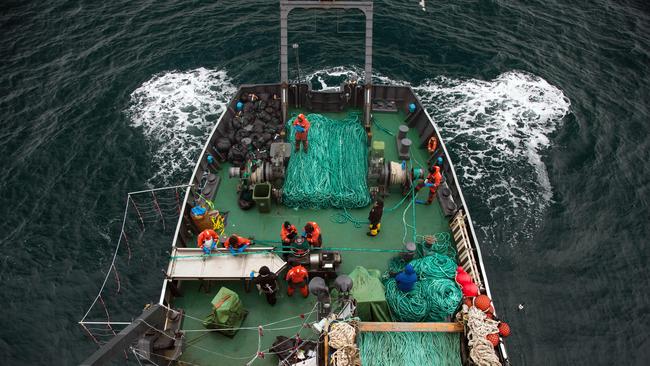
[252, 130]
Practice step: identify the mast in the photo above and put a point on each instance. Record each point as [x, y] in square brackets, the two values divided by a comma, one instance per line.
[286, 6]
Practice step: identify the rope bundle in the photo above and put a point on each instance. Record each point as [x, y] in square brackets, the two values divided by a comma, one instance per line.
[341, 337]
[333, 172]
[434, 297]
[409, 348]
[481, 349]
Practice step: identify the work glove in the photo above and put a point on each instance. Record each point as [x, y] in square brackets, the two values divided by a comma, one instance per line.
[299, 128]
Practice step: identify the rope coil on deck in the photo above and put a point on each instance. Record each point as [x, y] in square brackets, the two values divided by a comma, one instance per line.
[342, 337]
[435, 295]
[481, 349]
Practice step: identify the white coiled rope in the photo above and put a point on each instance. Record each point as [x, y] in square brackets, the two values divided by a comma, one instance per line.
[341, 336]
[481, 350]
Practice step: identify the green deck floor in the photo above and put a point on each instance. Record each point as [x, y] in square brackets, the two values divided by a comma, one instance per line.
[201, 347]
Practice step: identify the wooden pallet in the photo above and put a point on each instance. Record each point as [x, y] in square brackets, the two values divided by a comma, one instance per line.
[466, 257]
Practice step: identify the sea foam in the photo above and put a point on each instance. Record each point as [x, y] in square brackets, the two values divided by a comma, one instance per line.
[176, 111]
[498, 130]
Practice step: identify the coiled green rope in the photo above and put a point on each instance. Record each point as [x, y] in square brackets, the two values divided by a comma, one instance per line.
[345, 217]
[333, 172]
[434, 297]
[409, 348]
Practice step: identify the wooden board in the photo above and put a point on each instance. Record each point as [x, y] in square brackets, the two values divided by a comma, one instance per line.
[410, 327]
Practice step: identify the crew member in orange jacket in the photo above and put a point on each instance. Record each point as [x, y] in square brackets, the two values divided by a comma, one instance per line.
[313, 235]
[301, 125]
[237, 244]
[433, 181]
[207, 240]
[288, 233]
[297, 278]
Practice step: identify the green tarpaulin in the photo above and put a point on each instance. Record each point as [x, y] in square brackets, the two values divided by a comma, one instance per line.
[368, 290]
[227, 312]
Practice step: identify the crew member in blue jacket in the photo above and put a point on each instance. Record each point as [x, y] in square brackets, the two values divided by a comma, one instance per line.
[406, 279]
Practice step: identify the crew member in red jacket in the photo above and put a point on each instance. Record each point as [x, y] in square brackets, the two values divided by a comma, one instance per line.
[288, 233]
[207, 240]
[313, 235]
[433, 181]
[297, 278]
[237, 244]
[301, 125]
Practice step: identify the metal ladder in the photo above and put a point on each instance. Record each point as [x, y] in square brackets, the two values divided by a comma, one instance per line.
[466, 257]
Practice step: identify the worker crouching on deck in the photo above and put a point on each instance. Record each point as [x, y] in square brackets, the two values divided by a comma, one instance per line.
[433, 181]
[374, 218]
[301, 125]
[313, 235]
[207, 240]
[267, 283]
[297, 278]
[406, 279]
[288, 233]
[237, 244]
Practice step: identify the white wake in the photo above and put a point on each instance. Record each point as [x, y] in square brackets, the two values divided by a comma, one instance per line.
[499, 130]
[176, 111]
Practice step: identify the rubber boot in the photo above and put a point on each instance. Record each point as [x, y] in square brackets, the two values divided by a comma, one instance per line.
[374, 229]
[304, 291]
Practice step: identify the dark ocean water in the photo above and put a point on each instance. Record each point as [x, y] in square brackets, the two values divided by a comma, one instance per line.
[543, 103]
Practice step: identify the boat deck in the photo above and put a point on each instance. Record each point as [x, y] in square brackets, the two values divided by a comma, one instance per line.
[211, 348]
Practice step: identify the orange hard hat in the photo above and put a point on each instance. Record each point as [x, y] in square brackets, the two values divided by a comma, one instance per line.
[301, 116]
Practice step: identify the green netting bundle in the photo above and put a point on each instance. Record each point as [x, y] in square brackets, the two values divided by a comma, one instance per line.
[434, 265]
[409, 348]
[333, 172]
[435, 295]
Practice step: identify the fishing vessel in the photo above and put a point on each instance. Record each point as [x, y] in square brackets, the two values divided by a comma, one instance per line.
[365, 144]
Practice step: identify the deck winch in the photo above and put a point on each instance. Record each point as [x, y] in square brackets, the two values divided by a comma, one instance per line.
[322, 263]
[384, 174]
[271, 170]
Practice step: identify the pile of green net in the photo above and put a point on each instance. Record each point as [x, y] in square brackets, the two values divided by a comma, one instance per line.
[435, 295]
[409, 348]
[333, 172]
